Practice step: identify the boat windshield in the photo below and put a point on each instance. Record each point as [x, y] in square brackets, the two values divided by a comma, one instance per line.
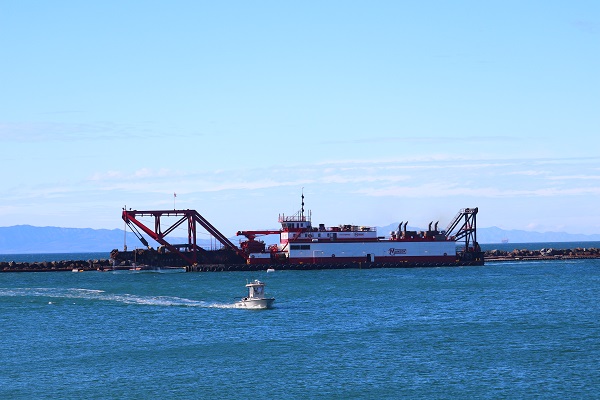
[258, 291]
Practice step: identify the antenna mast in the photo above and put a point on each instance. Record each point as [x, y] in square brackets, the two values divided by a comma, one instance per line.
[302, 210]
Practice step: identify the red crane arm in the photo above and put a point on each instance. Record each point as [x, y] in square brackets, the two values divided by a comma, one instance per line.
[191, 216]
[253, 234]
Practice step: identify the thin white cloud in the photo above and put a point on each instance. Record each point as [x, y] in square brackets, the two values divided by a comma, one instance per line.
[356, 179]
[443, 182]
[67, 131]
[528, 173]
[575, 177]
[431, 190]
[453, 177]
[422, 139]
[107, 175]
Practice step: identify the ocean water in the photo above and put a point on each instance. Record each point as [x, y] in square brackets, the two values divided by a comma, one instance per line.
[505, 330]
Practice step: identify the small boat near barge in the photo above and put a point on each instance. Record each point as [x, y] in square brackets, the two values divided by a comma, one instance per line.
[256, 299]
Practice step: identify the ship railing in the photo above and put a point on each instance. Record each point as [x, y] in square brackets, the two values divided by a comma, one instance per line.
[356, 228]
[293, 218]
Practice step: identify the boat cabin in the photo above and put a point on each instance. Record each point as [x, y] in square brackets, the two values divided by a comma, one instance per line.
[256, 290]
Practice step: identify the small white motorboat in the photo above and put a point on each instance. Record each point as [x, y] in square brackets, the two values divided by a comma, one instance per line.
[256, 297]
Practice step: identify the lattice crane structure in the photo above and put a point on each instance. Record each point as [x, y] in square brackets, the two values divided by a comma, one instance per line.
[189, 251]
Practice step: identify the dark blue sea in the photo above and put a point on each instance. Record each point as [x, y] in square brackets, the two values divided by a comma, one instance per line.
[505, 330]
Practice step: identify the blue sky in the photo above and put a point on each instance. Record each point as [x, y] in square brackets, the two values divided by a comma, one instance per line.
[383, 111]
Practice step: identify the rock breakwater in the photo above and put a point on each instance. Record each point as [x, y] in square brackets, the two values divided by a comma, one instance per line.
[542, 254]
[49, 266]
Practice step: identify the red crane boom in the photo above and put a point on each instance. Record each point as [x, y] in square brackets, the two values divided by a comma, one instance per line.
[192, 217]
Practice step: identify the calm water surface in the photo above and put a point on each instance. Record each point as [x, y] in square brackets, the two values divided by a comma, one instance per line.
[520, 330]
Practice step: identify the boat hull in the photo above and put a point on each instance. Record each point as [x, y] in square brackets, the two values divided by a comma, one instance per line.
[476, 261]
[255, 304]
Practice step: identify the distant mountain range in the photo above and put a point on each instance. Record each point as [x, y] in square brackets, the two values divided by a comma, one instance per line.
[497, 235]
[21, 239]
[24, 239]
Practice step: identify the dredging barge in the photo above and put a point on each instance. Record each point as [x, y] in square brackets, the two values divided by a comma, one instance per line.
[304, 246]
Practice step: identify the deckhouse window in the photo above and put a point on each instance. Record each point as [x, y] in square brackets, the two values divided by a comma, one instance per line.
[300, 247]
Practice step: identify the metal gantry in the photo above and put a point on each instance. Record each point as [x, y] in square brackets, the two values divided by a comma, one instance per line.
[191, 217]
[464, 227]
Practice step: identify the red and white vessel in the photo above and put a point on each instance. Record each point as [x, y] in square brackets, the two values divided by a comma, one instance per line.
[304, 246]
[302, 243]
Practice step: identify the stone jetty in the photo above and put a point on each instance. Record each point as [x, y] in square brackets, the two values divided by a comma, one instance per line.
[49, 266]
[542, 254]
